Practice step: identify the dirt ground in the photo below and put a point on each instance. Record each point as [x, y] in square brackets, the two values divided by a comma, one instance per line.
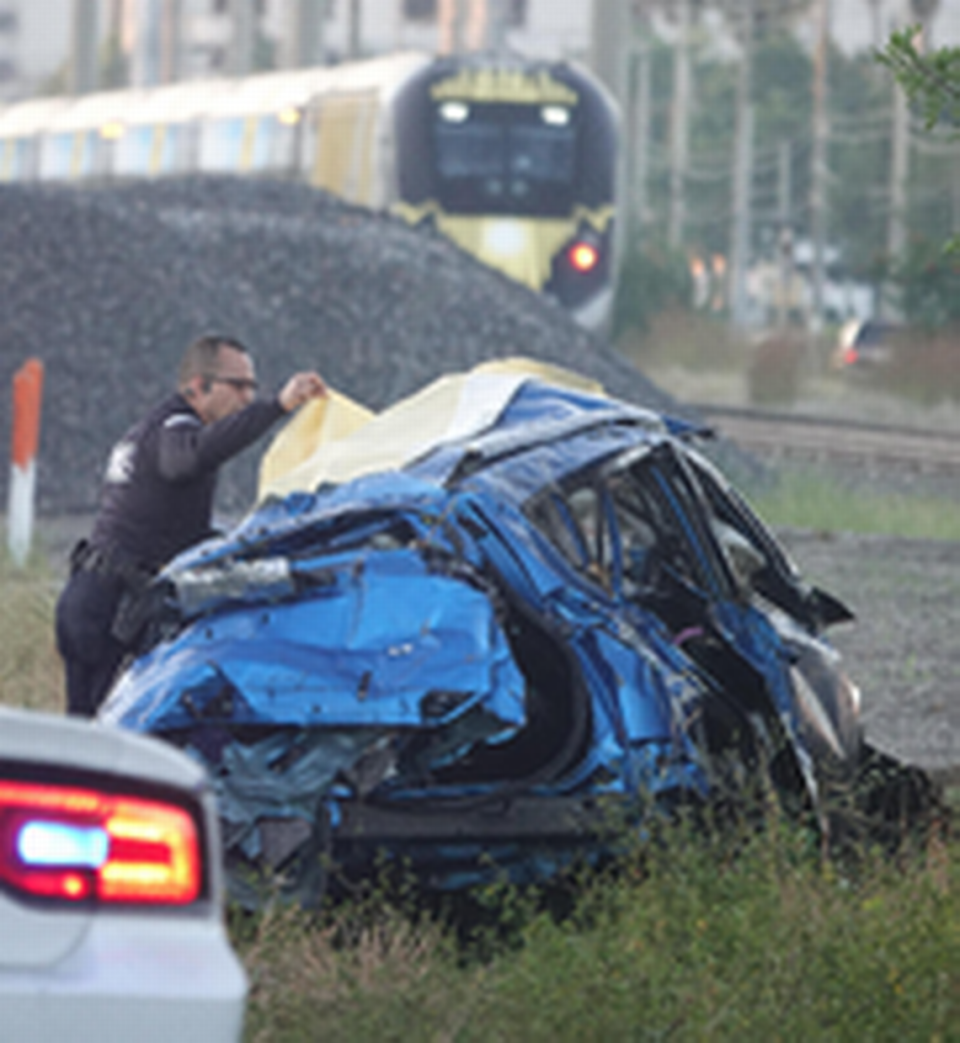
[903, 650]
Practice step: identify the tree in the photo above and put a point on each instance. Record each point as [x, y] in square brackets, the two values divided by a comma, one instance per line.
[932, 81]
[929, 278]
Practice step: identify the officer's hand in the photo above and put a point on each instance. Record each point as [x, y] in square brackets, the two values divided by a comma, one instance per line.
[300, 388]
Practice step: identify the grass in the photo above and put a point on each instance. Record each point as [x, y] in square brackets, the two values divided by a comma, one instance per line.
[697, 942]
[31, 674]
[806, 499]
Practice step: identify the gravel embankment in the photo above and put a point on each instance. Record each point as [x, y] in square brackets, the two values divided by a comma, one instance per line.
[107, 287]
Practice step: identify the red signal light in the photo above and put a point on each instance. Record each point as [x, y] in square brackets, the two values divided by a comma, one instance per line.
[583, 257]
[74, 843]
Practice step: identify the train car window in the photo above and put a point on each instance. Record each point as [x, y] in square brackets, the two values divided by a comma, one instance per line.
[172, 147]
[276, 143]
[17, 159]
[134, 150]
[469, 150]
[505, 158]
[262, 144]
[56, 154]
[85, 153]
[221, 143]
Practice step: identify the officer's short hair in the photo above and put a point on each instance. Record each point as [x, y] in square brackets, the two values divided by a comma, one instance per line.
[200, 358]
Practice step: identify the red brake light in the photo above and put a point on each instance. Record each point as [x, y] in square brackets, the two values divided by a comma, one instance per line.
[583, 256]
[76, 843]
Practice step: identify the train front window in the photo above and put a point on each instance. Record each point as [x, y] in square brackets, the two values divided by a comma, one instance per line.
[505, 158]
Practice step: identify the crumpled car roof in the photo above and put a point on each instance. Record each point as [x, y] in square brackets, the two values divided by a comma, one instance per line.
[335, 440]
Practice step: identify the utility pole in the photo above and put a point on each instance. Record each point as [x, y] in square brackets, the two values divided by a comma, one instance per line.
[242, 33]
[303, 41]
[680, 128]
[899, 170]
[171, 41]
[84, 58]
[145, 59]
[354, 29]
[475, 29]
[496, 26]
[784, 236]
[740, 228]
[639, 129]
[450, 26]
[819, 172]
[115, 72]
[609, 31]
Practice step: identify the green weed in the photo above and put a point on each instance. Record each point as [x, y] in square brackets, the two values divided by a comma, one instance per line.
[808, 499]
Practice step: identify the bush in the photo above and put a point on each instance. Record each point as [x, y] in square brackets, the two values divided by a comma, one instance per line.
[775, 370]
[925, 365]
[652, 279]
[928, 279]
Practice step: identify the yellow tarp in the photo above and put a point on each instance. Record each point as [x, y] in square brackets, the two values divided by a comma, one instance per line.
[334, 440]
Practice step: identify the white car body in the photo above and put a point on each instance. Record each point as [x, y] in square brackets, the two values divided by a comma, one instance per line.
[94, 968]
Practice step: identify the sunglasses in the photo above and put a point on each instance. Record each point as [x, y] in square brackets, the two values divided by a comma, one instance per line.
[238, 383]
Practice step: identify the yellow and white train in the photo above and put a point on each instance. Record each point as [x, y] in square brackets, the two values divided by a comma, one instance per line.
[513, 159]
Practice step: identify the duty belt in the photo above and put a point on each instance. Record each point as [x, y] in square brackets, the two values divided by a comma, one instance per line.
[88, 557]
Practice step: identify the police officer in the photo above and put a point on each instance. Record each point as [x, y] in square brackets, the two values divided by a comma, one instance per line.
[157, 500]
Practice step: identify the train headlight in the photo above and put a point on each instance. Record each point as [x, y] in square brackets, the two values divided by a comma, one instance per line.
[454, 111]
[583, 257]
[555, 115]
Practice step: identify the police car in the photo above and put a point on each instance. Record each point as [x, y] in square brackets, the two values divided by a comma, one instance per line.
[111, 914]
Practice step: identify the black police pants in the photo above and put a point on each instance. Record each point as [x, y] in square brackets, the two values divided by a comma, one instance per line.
[91, 654]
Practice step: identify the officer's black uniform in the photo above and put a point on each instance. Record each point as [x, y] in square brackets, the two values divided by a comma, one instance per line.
[157, 500]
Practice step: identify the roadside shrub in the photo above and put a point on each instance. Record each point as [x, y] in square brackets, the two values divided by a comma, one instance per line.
[653, 278]
[925, 365]
[928, 279]
[679, 337]
[775, 371]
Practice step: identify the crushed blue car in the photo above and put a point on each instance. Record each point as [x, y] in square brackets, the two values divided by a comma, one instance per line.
[463, 660]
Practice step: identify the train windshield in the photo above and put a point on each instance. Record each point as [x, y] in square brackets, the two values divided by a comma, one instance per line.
[505, 158]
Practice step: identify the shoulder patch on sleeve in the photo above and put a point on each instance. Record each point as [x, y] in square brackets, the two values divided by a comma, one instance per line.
[120, 465]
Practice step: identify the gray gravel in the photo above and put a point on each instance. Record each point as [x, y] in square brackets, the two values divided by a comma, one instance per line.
[902, 650]
[108, 286]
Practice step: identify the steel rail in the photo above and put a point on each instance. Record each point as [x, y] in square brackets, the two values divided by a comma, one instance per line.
[828, 438]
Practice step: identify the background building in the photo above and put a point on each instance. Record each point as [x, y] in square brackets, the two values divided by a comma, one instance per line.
[9, 39]
[148, 41]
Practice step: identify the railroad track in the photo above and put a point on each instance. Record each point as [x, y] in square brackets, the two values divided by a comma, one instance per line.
[824, 439]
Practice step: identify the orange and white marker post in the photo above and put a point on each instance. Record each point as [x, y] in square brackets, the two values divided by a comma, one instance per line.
[27, 396]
